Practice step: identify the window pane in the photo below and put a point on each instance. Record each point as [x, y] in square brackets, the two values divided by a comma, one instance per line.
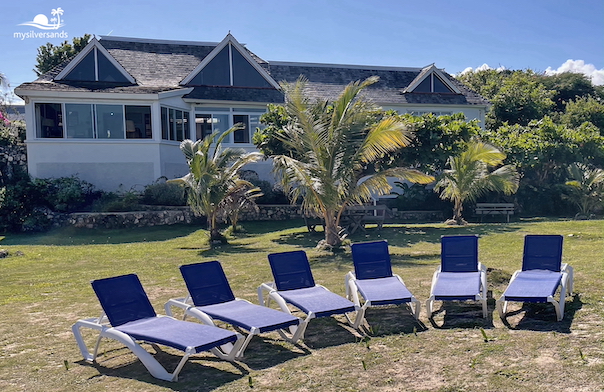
[244, 74]
[49, 120]
[424, 87]
[439, 86]
[241, 135]
[179, 126]
[216, 73]
[186, 126]
[109, 121]
[107, 71]
[84, 71]
[220, 123]
[165, 126]
[138, 122]
[79, 120]
[203, 125]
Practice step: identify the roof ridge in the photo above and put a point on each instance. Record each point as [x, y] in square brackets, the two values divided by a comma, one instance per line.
[346, 66]
[156, 41]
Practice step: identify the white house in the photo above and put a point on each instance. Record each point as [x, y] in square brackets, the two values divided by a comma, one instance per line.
[114, 114]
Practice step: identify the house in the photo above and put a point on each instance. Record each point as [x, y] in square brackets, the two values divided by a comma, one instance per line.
[114, 115]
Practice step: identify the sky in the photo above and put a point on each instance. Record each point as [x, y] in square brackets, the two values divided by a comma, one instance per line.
[457, 35]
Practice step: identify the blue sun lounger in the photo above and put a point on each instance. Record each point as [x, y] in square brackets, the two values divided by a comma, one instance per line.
[374, 281]
[211, 298]
[541, 276]
[460, 276]
[294, 285]
[128, 317]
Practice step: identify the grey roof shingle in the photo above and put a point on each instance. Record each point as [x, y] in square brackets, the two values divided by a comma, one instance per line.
[159, 66]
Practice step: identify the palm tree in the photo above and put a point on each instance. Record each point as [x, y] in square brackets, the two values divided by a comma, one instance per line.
[469, 177]
[331, 145]
[587, 187]
[213, 176]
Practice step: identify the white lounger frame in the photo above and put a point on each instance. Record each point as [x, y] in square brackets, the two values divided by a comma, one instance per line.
[272, 293]
[481, 297]
[187, 305]
[352, 293]
[566, 288]
[227, 351]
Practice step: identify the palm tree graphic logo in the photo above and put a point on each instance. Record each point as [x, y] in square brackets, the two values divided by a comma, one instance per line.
[41, 21]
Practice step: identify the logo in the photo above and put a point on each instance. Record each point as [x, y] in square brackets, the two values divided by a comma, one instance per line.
[41, 21]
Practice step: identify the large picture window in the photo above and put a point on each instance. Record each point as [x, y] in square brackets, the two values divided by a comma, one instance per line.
[88, 121]
[208, 120]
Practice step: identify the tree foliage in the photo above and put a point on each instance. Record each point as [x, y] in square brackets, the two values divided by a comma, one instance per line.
[587, 187]
[213, 178]
[332, 145]
[49, 55]
[469, 177]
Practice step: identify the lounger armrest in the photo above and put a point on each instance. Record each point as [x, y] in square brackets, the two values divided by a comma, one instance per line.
[570, 271]
[182, 303]
[265, 288]
[352, 292]
[483, 279]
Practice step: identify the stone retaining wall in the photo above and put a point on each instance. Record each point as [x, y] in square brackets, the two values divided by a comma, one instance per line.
[174, 215]
[12, 157]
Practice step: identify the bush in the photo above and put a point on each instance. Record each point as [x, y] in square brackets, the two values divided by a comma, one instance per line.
[116, 202]
[164, 194]
[19, 201]
[417, 198]
[272, 194]
[66, 194]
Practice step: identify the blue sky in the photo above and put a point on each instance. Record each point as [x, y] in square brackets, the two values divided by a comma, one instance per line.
[454, 34]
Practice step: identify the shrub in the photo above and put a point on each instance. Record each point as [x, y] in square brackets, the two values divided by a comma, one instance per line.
[272, 194]
[117, 202]
[164, 194]
[66, 194]
[19, 201]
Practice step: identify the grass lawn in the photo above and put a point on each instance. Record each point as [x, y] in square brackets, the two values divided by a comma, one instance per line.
[44, 289]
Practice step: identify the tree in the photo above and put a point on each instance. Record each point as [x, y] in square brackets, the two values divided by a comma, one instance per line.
[469, 177]
[587, 187]
[568, 87]
[435, 139]
[213, 177]
[521, 99]
[49, 55]
[584, 109]
[332, 146]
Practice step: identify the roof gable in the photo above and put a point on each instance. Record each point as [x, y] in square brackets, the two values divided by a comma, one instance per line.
[229, 64]
[431, 80]
[95, 64]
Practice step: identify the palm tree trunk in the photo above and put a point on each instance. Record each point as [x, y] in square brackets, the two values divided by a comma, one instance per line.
[332, 236]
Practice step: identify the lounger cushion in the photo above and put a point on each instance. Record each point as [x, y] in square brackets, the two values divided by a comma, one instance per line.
[457, 286]
[371, 260]
[248, 316]
[383, 291]
[318, 300]
[177, 334]
[533, 286]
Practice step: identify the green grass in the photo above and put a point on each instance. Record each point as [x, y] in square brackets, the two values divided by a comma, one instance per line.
[44, 289]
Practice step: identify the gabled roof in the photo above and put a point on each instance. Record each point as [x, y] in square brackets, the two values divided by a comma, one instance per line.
[426, 73]
[90, 49]
[159, 65]
[229, 40]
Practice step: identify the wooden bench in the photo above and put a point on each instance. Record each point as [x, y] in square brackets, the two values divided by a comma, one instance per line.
[356, 217]
[506, 209]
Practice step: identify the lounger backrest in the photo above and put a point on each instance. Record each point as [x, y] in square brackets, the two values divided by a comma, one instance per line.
[542, 252]
[123, 299]
[371, 260]
[207, 283]
[459, 253]
[291, 270]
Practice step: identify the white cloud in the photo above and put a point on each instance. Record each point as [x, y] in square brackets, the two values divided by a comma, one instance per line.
[483, 67]
[579, 66]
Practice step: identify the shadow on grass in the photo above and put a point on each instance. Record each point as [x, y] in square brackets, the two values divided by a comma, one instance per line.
[458, 314]
[392, 320]
[195, 376]
[542, 316]
[78, 236]
[265, 352]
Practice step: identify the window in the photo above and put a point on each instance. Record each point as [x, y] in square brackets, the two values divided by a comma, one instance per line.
[436, 114]
[229, 68]
[138, 122]
[432, 84]
[79, 120]
[174, 124]
[96, 67]
[88, 121]
[206, 124]
[49, 120]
